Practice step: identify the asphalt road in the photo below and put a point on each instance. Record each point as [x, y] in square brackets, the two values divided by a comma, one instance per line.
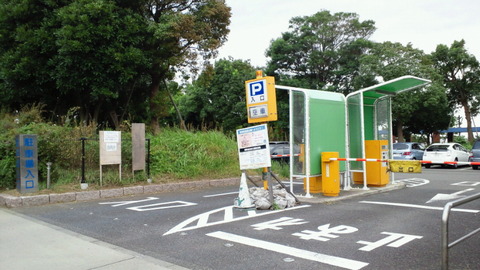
[200, 229]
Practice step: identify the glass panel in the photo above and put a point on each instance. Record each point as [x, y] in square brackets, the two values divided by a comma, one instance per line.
[355, 130]
[298, 140]
[382, 110]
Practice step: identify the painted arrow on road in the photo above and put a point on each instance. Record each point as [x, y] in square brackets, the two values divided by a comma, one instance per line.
[449, 197]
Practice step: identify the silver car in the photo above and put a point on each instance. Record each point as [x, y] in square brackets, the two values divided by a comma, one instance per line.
[408, 151]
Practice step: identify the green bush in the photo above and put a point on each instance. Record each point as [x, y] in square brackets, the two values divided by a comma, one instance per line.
[192, 155]
[175, 154]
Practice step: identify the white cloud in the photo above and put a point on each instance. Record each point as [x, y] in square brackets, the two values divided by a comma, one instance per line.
[424, 23]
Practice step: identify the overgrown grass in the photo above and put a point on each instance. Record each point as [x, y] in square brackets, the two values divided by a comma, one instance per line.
[193, 155]
[176, 155]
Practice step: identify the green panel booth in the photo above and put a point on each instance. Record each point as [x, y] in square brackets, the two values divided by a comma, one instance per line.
[322, 121]
[317, 124]
[370, 118]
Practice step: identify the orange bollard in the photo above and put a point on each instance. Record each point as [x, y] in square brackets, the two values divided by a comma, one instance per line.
[330, 174]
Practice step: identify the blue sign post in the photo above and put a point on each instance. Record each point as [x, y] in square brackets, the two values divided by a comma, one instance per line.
[27, 163]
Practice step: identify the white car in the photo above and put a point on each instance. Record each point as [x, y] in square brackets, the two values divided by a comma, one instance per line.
[438, 153]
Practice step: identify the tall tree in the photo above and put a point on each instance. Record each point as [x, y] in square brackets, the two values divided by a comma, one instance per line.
[27, 44]
[427, 103]
[390, 60]
[99, 59]
[99, 54]
[321, 51]
[461, 76]
[179, 32]
[217, 98]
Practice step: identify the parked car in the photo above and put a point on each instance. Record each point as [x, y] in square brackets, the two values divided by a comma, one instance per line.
[438, 153]
[408, 151]
[282, 148]
[475, 154]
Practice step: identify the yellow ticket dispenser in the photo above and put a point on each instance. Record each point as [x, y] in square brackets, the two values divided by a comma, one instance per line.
[377, 173]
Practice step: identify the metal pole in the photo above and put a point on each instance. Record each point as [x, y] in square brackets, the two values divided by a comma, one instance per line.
[48, 174]
[390, 135]
[283, 185]
[446, 212]
[346, 176]
[307, 143]
[83, 160]
[149, 180]
[362, 136]
[291, 140]
[270, 186]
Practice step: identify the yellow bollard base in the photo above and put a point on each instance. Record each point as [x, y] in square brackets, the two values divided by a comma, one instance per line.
[315, 184]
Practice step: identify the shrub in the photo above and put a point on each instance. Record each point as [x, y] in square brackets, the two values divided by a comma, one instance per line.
[175, 154]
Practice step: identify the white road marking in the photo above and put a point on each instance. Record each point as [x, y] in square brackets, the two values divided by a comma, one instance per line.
[449, 197]
[291, 251]
[393, 240]
[123, 203]
[421, 206]
[150, 207]
[159, 206]
[277, 224]
[202, 219]
[413, 182]
[220, 194]
[466, 183]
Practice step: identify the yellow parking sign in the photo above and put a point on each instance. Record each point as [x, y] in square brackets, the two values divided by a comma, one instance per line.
[405, 166]
[261, 99]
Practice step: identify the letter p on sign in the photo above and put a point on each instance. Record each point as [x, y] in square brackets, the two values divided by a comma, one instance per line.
[257, 88]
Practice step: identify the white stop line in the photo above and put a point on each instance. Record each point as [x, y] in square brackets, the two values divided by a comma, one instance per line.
[291, 251]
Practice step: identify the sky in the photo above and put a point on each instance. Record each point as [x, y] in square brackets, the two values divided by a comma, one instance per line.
[423, 23]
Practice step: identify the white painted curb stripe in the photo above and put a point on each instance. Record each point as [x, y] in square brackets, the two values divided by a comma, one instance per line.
[299, 253]
[421, 206]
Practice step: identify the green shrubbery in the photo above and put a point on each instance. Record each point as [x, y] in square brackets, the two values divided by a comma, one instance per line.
[175, 154]
[180, 154]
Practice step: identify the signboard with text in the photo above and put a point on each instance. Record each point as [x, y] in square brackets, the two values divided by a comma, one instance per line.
[261, 100]
[27, 163]
[110, 147]
[253, 147]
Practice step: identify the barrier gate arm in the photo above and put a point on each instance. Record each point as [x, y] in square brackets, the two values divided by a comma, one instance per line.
[421, 161]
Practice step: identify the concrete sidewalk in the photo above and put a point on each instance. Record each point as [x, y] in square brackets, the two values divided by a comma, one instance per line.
[27, 243]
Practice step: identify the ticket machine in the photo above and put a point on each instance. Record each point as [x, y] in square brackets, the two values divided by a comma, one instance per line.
[377, 174]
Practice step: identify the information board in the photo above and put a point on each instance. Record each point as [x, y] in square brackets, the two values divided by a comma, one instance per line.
[138, 146]
[27, 163]
[253, 147]
[110, 147]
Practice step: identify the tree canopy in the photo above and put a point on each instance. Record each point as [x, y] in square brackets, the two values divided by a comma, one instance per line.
[321, 51]
[107, 57]
[461, 76]
[217, 98]
[412, 110]
[114, 59]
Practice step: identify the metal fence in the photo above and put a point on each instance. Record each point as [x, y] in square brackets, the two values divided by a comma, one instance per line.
[445, 230]
[80, 156]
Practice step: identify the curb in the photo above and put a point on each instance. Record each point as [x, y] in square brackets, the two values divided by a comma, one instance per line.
[11, 201]
[353, 193]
